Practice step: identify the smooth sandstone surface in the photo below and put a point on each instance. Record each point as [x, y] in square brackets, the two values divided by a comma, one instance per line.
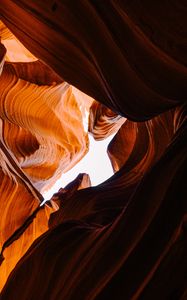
[111, 60]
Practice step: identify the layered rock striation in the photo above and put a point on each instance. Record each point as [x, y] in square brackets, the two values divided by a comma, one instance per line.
[126, 238]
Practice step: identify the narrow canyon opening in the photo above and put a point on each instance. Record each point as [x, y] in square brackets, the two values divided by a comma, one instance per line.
[95, 163]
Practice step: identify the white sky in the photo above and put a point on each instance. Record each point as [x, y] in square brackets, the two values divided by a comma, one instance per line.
[96, 163]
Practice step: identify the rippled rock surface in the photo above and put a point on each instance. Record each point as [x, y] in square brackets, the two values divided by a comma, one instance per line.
[124, 65]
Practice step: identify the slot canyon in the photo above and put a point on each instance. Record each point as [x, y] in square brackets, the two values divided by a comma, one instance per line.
[123, 64]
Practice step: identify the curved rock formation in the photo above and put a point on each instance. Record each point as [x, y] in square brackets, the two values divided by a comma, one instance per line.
[140, 145]
[15, 50]
[126, 238]
[41, 159]
[103, 122]
[18, 229]
[34, 72]
[125, 258]
[144, 71]
[2, 56]
[57, 104]
[28, 159]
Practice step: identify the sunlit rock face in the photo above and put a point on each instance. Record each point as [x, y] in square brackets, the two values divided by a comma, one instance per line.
[2, 56]
[42, 135]
[103, 122]
[15, 50]
[43, 112]
[126, 238]
[17, 206]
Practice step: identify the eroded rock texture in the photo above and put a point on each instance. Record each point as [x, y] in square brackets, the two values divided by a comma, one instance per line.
[35, 104]
[31, 95]
[103, 122]
[127, 237]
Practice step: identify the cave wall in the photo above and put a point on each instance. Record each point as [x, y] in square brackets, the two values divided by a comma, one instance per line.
[126, 238]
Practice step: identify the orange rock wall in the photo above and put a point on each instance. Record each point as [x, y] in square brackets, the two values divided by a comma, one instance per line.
[126, 238]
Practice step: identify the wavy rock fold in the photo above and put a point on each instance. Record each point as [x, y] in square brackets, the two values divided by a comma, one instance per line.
[122, 64]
